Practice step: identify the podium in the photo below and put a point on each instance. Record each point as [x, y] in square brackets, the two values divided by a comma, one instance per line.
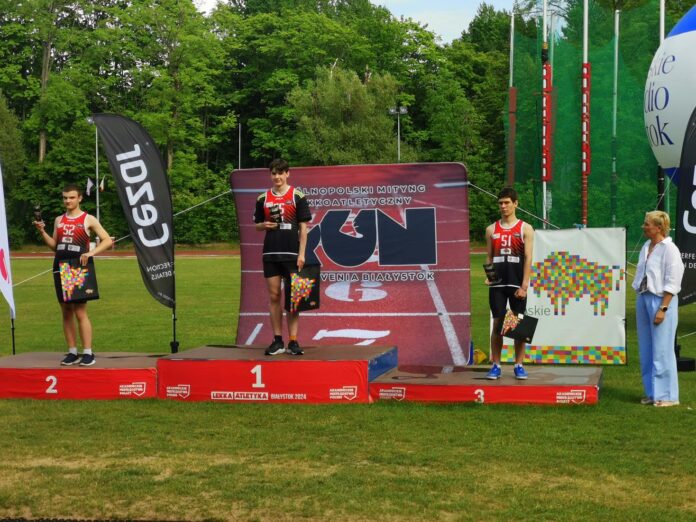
[546, 385]
[324, 374]
[39, 375]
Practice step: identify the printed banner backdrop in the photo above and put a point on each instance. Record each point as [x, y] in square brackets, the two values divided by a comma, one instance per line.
[686, 213]
[578, 293]
[5, 269]
[143, 188]
[393, 244]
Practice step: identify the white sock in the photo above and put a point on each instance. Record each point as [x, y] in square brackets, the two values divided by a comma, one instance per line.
[87, 351]
[72, 350]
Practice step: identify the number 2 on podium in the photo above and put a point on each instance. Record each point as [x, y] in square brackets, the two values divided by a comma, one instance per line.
[52, 381]
[256, 370]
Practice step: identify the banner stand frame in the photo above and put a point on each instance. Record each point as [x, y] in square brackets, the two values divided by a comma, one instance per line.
[12, 328]
[174, 344]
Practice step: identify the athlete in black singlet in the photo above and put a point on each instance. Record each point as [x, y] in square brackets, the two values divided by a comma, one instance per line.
[282, 213]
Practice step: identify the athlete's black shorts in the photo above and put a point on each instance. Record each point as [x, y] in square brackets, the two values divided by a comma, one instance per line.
[498, 298]
[279, 268]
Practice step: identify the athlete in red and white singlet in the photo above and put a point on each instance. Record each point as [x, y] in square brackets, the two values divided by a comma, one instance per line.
[508, 253]
[70, 239]
[509, 244]
[285, 202]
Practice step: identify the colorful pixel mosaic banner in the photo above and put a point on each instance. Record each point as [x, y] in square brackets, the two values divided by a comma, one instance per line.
[578, 293]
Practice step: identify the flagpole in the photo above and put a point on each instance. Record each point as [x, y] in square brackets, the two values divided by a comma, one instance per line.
[13, 335]
[96, 162]
[174, 344]
[512, 106]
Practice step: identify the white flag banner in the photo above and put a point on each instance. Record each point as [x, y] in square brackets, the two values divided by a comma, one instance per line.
[5, 270]
[578, 292]
[90, 186]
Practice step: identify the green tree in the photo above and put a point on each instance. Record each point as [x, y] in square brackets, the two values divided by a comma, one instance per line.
[343, 121]
[12, 161]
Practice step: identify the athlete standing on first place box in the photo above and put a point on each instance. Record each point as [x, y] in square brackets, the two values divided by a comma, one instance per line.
[282, 213]
[509, 243]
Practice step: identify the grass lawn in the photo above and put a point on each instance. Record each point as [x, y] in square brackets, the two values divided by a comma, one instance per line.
[168, 460]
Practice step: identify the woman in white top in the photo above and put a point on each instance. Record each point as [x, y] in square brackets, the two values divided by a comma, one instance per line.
[657, 282]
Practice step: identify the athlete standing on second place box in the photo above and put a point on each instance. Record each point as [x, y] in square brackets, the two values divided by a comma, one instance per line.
[509, 244]
[282, 213]
[70, 240]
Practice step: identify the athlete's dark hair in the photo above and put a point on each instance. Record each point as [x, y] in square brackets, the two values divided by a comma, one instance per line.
[279, 165]
[72, 186]
[508, 192]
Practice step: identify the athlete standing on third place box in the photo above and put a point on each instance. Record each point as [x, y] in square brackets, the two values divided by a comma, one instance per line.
[282, 213]
[509, 243]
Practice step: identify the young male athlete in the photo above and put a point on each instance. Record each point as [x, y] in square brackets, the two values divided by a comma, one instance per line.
[509, 243]
[70, 240]
[282, 213]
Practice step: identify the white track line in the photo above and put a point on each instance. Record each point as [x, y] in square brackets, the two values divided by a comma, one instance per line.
[452, 341]
[252, 335]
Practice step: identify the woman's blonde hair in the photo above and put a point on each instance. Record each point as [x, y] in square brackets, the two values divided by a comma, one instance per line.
[659, 219]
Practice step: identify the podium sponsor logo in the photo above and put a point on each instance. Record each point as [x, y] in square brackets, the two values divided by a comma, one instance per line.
[397, 393]
[180, 390]
[135, 388]
[571, 397]
[238, 396]
[345, 392]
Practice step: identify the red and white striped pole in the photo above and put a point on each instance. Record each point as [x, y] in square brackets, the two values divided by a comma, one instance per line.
[586, 88]
[546, 127]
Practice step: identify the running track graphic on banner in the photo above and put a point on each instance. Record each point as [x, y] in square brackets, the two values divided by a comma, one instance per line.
[393, 244]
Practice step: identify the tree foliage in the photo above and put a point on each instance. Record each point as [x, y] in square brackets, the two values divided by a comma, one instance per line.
[311, 80]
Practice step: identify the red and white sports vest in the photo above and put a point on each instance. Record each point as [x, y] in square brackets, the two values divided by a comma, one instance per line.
[72, 236]
[508, 253]
[286, 204]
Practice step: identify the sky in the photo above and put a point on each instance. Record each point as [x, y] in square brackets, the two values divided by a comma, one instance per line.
[445, 18]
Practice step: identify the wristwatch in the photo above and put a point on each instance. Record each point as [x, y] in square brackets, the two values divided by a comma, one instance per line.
[664, 308]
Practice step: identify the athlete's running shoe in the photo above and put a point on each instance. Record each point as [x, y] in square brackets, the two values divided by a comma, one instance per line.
[87, 359]
[275, 348]
[495, 373]
[521, 373]
[294, 348]
[70, 359]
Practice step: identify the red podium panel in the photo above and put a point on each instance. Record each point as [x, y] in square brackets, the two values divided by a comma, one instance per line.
[546, 385]
[323, 374]
[39, 375]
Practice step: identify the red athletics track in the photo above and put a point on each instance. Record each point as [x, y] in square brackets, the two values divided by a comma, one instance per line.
[429, 321]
